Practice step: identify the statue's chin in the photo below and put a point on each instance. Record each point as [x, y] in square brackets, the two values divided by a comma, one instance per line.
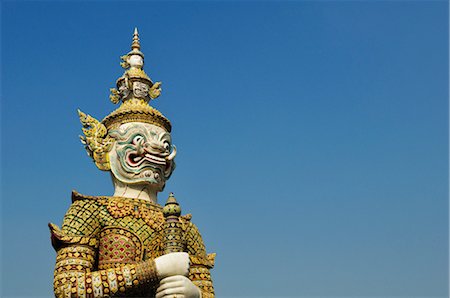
[148, 177]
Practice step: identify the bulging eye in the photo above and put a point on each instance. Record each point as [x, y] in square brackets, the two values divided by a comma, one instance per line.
[167, 146]
[137, 139]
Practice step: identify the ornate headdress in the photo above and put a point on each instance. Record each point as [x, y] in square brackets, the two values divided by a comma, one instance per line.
[134, 90]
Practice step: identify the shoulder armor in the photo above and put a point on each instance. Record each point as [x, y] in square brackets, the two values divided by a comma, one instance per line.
[76, 196]
[195, 245]
[60, 239]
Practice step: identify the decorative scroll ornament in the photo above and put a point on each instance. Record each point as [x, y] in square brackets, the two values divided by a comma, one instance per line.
[96, 140]
[134, 90]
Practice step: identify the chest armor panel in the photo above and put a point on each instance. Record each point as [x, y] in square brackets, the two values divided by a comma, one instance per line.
[118, 246]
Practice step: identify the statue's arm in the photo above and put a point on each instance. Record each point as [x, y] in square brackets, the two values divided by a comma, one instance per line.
[74, 278]
[75, 272]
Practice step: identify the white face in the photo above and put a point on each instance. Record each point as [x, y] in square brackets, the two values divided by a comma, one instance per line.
[142, 154]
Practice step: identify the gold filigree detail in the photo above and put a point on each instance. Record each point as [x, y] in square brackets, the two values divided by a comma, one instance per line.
[114, 96]
[96, 140]
[124, 62]
[136, 110]
[155, 90]
[137, 73]
[120, 207]
[59, 238]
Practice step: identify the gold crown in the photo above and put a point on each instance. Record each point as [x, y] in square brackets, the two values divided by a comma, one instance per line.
[136, 110]
[134, 90]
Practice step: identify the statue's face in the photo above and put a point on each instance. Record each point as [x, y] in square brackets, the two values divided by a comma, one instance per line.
[142, 154]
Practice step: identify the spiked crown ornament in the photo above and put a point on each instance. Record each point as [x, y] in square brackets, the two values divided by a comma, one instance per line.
[134, 90]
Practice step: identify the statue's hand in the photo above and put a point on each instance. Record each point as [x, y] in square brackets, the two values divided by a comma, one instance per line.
[176, 263]
[177, 286]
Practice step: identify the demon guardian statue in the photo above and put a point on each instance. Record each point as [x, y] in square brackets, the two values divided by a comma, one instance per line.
[127, 245]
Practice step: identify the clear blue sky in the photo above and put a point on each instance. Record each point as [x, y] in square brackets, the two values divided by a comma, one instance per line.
[312, 136]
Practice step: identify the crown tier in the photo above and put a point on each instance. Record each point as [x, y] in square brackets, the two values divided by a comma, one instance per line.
[136, 110]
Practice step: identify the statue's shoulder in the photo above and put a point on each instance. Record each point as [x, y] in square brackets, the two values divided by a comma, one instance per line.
[84, 201]
[190, 229]
[80, 224]
[196, 247]
[76, 196]
[85, 206]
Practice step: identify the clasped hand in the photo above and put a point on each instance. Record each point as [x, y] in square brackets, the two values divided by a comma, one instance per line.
[173, 270]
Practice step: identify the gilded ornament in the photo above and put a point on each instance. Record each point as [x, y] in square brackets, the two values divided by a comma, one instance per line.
[96, 140]
[155, 90]
[124, 62]
[114, 96]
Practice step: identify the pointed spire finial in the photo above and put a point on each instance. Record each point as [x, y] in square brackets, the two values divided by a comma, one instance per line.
[136, 45]
[172, 208]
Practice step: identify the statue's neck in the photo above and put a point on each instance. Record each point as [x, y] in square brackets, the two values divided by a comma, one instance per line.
[140, 191]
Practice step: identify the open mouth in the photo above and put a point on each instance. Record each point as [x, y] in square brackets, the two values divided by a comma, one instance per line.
[155, 159]
[135, 160]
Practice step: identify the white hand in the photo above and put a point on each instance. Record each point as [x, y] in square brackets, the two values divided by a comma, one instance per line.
[178, 286]
[176, 263]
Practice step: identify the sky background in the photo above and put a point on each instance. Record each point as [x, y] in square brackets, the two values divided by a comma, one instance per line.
[312, 136]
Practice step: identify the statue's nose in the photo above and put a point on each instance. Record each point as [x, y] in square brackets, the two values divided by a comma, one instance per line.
[152, 146]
